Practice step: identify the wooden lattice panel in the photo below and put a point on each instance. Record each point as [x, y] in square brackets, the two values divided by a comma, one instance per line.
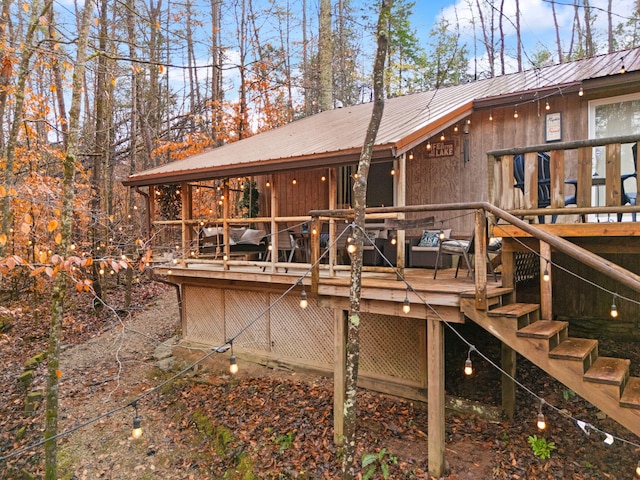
[204, 315]
[241, 309]
[305, 334]
[393, 346]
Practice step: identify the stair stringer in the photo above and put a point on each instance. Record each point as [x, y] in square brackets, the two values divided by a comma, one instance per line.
[568, 372]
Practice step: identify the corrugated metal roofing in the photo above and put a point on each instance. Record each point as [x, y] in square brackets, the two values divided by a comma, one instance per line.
[336, 136]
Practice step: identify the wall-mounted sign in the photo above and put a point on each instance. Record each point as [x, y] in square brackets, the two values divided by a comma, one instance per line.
[553, 127]
[441, 149]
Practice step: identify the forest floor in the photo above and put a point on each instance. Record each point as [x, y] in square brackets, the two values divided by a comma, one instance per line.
[265, 423]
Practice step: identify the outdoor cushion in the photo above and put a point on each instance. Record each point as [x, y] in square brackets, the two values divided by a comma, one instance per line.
[431, 238]
[252, 236]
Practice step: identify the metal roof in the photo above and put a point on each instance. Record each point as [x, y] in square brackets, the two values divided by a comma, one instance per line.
[335, 137]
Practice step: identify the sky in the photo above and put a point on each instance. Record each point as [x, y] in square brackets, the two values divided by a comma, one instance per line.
[536, 20]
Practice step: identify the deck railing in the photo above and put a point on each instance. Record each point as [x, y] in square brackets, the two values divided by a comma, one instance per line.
[482, 210]
[504, 194]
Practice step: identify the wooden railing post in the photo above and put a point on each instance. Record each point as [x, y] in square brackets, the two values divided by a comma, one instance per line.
[546, 297]
[315, 254]
[480, 259]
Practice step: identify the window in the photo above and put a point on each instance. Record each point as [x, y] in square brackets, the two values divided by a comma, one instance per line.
[612, 117]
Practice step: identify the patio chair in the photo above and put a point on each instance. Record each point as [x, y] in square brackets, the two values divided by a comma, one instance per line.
[544, 183]
[465, 250]
[629, 198]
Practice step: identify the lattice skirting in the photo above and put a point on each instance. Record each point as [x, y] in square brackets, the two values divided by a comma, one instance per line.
[390, 347]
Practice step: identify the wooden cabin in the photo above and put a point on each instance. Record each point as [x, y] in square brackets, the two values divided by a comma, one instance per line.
[543, 159]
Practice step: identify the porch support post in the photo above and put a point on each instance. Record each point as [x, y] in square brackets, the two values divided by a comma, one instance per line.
[401, 201]
[508, 385]
[315, 254]
[546, 297]
[435, 396]
[333, 194]
[339, 374]
[187, 212]
[274, 225]
[225, 225]
[151, 211]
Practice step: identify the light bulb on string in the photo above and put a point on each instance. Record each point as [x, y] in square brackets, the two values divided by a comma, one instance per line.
[411, 155]
[545, 274]
[428, 146]
[614, 309]
[442, 137]
[547, 106]
[468, 365]
[406, 305]
[233, 363]
[638, 470]
[541, 422]
[441, 235]
[580, 92]
[303, 299]
[491, 116]
[136, 432]
[515, 114]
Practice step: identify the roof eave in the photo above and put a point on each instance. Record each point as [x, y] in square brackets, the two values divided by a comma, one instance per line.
[345, 157]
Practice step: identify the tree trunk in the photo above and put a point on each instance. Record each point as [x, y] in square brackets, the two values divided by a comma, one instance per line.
[518, 36]
[325, 56]
[360, 202]
[66, 220]
[501, 27]
[557, 27]
[18, 107]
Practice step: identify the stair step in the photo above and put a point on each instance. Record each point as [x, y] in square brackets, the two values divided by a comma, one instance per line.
[631, 396]
[574, 349]
[612, 371]
[513, 310]
[491, 292]
[542, 329]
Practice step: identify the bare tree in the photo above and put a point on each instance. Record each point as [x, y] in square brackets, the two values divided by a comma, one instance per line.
[518, 36]
[360, 202]
[555, 23]
[59, 289]
[325, 55]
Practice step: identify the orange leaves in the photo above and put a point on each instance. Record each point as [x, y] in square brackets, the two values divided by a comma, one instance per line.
[3, 239]
[52, 225]
[3, 191]
[84, 285]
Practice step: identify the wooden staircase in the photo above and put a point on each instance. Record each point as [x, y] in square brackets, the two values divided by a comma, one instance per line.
[602, 381]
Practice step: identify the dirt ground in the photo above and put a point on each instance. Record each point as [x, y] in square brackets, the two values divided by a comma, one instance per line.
[264, 423]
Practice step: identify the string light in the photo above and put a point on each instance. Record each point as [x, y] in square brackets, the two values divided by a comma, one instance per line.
[614, 309]
[491, 116]
[304, 303]
[515, 114]
[441, 235]
[268, 184]
[428, 146]
[411, 155]
[547, 106]
[638, 470]
[455, 128]
[468, 366]
[294, 181]
[393, 172]
[545, 275]
[622, 69]
[233, 364]
[541, 423]
[442, 137]
[136, 432]
[580, 92]
[406, 305]
[323, 178]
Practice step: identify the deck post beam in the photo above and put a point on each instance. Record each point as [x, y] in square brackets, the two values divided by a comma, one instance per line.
[274, 226]
[339, 374]
[508, 362]
[435, 396]
[546, 296]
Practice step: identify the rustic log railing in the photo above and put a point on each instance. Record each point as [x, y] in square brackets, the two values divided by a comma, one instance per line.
[547, 240]
[504, 194]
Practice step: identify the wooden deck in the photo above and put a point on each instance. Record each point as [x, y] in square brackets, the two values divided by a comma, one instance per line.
[382, 293]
